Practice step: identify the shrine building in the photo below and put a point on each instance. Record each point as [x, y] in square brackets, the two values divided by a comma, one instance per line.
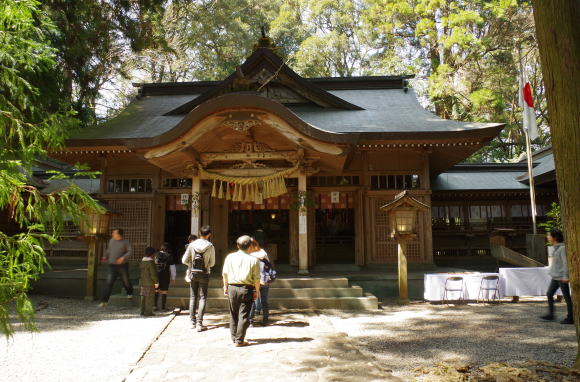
[307, 160]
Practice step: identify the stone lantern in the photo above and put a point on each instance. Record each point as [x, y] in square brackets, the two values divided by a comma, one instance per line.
[94, 229]
[402, 214]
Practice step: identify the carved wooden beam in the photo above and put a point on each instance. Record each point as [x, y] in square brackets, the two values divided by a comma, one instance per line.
[248, 171]
[192, 154]
[290, 156]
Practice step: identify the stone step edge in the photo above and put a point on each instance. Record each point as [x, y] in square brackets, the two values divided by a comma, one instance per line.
[179, 287]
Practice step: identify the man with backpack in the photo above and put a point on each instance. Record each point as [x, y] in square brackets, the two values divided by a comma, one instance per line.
[199, 258]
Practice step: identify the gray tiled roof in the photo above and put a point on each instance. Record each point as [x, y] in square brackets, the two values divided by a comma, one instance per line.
[386, 110]
[142, 118]
[478, 180]
[90, 186]
[545, 168]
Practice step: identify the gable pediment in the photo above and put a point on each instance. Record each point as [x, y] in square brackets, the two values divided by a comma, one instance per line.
[266, 74]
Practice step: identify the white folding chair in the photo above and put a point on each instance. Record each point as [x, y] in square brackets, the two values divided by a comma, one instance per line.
[453, 284]
[488, 284]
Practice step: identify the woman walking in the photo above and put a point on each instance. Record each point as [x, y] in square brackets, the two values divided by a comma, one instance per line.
[559, 274]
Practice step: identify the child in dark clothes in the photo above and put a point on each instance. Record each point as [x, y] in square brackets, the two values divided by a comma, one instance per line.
[149, 282]
[166, 273]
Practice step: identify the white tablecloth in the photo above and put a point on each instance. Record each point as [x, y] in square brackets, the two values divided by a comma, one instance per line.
[435, 284]
[525, 281]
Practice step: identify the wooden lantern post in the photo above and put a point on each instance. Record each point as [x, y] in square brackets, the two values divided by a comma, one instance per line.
[93, 229]
[402, 213]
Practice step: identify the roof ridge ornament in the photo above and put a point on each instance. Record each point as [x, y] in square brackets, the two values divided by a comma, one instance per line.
[266, 42]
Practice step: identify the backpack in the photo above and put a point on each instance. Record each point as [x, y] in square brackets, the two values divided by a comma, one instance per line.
[268, 273]
[162, 260]
[197, 263]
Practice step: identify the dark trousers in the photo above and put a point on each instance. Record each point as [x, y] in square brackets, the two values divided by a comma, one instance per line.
[261, 304]
[198, 296]
[147, 305]
[565, 287]
[117, 270]
[241, 299]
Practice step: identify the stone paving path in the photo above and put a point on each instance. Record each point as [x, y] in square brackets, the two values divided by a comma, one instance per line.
[297, 346]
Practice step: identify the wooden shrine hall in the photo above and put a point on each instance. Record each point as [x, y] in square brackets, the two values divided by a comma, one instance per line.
[307, 160]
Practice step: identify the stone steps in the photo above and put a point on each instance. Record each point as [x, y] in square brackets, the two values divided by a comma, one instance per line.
[284, 282]
[354, 291]
[285, 293]
[369, 302]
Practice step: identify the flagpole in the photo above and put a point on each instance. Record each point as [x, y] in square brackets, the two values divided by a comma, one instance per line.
[528, 147]
[531, 178]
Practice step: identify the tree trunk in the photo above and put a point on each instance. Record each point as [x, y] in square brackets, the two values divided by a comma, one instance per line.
[559, 42]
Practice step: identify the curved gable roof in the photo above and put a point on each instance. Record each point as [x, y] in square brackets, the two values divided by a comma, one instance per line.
[265, 59]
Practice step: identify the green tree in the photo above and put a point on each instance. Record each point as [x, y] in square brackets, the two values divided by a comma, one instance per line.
[93, 41]
[468, 50]
[31, 127]
[554, 218]
[205, 40]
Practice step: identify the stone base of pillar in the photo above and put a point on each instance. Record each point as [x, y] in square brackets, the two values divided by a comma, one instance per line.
[303, 272]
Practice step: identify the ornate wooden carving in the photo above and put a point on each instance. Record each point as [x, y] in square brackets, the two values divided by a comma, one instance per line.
[247, 153]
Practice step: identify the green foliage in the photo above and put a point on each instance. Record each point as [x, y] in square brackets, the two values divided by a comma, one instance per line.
[469, 52]
[554, 218]
[93, 40]
[30, 131]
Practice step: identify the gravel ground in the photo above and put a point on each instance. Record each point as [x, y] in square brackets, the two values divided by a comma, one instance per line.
[77, 341]
[404, 338]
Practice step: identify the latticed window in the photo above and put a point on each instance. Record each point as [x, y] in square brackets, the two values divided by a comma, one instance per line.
[177, 183]
[395, 182]
[129, 185]
[342, 180]
[135, 219]
[446, 216]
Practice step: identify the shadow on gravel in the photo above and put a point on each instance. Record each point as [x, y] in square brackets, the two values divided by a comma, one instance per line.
[337, 360]
[476, 334]
[69, 313]
[261, 341]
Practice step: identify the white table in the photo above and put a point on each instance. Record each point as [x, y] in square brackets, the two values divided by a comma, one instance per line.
[435, 285]
[525, 281]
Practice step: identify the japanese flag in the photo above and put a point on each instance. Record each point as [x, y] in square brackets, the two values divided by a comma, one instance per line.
[527, 104]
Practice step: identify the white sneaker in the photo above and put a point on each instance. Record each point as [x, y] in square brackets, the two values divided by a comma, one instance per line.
[129, 297]
[103, 304]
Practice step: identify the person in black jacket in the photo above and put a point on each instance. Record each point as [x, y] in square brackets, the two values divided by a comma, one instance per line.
[166, 272]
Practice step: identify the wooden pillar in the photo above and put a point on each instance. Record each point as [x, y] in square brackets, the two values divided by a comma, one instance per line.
[302, 226]
[402, 267]
[359, 228]
[195, 204]
[427, 247]
[92, 265]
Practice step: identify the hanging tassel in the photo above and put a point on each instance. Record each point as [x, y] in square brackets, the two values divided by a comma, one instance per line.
[221, 190]
[284, 190]
[213, 190]
[235, 194]
[252, 190]
[266, 189]
[238, 192]
[280, 186]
